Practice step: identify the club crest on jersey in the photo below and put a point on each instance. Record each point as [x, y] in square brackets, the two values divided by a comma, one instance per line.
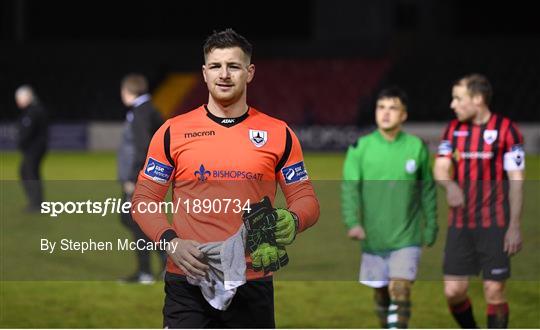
[258, 138]
[410, 166]
[490, 135]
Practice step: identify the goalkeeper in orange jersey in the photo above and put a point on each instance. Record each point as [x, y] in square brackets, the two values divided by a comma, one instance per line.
[230, 154]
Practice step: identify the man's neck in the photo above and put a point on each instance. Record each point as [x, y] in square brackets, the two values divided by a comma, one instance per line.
[482, 117]
[140, 100]
[234, 110]
[390, 135]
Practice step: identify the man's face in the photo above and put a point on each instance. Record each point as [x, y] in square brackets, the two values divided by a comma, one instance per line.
[464, 105]
[127, 97]
[23, 100]
[390, 113]
[227, 72]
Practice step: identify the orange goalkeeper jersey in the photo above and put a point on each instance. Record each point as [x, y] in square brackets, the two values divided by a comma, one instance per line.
[217, 166]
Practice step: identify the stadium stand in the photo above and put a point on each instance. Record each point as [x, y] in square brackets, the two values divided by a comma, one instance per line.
[307, 92]
[429, 71]
[79, 85]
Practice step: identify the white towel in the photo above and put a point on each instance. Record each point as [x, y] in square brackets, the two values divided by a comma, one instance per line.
[227, 271]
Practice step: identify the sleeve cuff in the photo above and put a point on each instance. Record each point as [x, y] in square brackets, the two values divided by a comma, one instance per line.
[296, 223]
[168, 235]
[352, 224]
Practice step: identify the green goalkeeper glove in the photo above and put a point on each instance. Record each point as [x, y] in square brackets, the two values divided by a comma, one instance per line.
[260, 223]
[286, 227]
[269, 258]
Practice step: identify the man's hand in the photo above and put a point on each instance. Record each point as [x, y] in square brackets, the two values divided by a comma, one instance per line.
[512, 240]
[430, 236]
[286, 227]
[268, 258]
[454, 195]
[129, 187]
[187, 257]
[261, 222]
[357, 233]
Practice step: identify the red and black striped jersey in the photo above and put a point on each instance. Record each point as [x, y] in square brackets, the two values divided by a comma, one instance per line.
[481, 155]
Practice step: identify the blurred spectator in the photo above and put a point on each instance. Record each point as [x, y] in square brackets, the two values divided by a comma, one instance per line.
[142, 120]
[32, 141]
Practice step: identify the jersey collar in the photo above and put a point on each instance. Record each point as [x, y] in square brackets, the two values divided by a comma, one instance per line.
[140, 100]
[226, 122]
[398, 137]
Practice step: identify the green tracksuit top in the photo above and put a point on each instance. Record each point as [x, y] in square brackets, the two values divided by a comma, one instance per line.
[388, 188]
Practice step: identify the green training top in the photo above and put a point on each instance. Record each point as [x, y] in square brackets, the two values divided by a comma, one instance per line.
[388, 188]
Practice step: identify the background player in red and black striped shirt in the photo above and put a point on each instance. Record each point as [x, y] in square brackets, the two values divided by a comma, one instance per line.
[481, 165]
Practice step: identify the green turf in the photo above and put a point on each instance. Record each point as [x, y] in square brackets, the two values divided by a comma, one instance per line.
[317, 290]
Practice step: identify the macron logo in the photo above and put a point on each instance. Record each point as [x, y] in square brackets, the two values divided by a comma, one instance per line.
[199, 134]
[227, 121]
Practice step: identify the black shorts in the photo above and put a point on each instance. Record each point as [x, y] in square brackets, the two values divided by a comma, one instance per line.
[469, 251]
[185, 306]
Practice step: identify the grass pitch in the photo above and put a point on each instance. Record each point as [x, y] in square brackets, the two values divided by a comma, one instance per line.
[317, 290]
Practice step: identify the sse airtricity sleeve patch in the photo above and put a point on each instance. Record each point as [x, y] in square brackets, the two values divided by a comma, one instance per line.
[445, 148]
[158, 171]
[294, 173]
[514, 160]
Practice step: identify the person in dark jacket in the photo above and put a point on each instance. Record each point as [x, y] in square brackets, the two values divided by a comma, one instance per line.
[142, 120]
[32, 141]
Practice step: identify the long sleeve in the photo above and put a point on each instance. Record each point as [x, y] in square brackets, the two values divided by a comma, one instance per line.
[296, 186]
[152, 186]
[350, 188]
[429, 194]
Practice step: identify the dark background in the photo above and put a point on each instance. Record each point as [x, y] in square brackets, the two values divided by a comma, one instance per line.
[76, 52]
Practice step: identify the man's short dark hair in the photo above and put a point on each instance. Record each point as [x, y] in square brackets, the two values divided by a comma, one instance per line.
[227, 38]
[135, 83]
[477, 84]
[394, 92]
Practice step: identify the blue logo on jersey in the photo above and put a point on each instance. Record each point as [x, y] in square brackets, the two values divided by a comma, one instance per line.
[445, 148]
[517, 147]
[294, 173]
[158, 171]
[202, 173]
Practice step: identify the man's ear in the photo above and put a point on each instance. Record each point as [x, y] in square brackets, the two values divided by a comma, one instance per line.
[477, 99]
[204, 72]
[251, 72]
[404, 115]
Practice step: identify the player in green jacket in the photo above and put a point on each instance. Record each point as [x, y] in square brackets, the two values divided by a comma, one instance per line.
[389, 204]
